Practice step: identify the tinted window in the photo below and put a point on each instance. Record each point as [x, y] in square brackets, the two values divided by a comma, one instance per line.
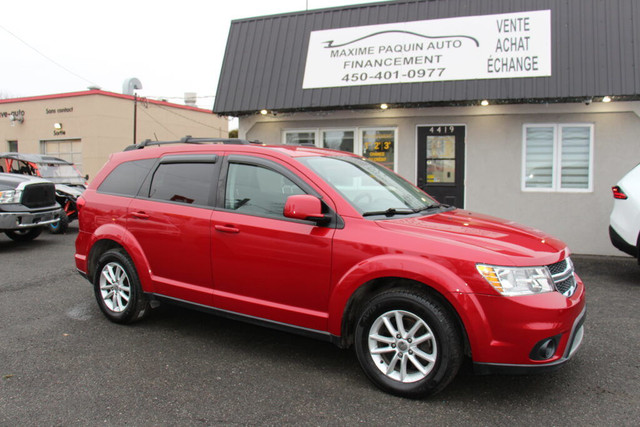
[126, 178]
[257, 190]
[188, 183]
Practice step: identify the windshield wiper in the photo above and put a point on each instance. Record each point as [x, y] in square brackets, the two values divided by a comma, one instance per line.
[434, 206]
[390, 212]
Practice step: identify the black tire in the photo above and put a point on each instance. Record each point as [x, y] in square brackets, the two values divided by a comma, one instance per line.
[25, 235]
[61, 226]
[117, 288]
[436, 338]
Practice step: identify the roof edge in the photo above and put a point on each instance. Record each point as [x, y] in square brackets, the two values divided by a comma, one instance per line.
[458, 103]
[103, 93]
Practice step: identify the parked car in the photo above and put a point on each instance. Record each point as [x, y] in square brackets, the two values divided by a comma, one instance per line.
[330, 245]
[27, 205]
[69, 182]
[624, 222]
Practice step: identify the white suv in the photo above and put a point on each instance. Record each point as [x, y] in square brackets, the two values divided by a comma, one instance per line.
[624, 224]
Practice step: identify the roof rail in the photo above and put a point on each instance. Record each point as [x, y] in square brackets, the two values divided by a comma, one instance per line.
[191, 140]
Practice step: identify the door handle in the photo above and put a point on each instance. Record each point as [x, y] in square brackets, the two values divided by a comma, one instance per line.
[227, 228]
[140, 215]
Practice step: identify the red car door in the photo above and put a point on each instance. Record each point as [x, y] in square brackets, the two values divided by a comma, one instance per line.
[266, 265]
[172, 225]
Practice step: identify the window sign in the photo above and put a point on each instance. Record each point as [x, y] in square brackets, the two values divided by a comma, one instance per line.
[464, 48]
[378, 145]
[342, 140]
[441, 159]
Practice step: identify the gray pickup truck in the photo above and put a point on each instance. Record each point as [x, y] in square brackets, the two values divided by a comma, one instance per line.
[27, 205]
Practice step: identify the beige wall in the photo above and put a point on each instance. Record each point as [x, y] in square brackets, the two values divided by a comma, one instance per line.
[494, 158]
[104, 124]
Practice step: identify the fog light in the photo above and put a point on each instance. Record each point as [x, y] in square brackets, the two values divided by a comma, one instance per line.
[545, 349]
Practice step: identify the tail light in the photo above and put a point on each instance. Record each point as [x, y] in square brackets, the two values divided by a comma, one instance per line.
[80, 202]
[618, 193]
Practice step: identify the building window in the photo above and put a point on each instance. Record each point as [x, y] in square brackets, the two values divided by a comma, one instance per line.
[558, 157]
[69, 150]
[337, 139]
[300, 137]
[379, 145]
[12, 146]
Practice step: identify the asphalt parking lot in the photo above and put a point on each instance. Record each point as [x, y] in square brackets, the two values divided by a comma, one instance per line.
[63, 363]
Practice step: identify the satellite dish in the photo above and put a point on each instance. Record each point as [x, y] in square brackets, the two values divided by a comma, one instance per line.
[130, 85]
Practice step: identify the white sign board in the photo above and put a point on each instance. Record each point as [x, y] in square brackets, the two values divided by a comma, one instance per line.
[466, 48]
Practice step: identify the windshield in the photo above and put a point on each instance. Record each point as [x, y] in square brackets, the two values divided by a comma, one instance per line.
[60, 173]
[370, 188]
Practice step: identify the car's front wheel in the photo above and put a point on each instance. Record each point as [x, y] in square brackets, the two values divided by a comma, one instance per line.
[61, 226]
[117, 288]
[24, 235]
[408, 344]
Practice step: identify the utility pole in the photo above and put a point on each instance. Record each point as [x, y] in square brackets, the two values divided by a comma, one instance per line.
[128, 88]
[135, 117]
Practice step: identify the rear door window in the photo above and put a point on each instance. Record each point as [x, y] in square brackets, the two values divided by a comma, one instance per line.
[186, 183]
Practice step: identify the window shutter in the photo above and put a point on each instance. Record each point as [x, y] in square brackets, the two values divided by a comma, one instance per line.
[539, 157]
[575, 155]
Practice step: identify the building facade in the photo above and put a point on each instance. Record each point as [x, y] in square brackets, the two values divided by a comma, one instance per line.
[527, 110]
[86, 127]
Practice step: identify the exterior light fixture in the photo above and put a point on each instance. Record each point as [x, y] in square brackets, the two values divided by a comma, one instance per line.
[264, 112]
[383, 106]
[57, 126]
[606, 99]
[16, 117]
[484, 102]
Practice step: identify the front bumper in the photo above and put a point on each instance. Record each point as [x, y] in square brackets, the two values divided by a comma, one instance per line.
[524, 333]
[574, 342]
[23, 220]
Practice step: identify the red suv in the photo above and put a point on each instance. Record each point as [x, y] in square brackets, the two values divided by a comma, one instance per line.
[330, 245]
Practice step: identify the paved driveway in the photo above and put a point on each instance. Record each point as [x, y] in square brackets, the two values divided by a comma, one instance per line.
[62, 363]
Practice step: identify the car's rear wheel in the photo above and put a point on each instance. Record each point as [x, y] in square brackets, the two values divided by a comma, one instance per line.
[408, 344]
[24, 235]
[117, 288]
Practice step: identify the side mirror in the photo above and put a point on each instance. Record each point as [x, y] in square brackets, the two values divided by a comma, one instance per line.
[305, 207]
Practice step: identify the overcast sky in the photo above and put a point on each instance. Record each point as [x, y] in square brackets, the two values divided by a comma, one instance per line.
[172, 47]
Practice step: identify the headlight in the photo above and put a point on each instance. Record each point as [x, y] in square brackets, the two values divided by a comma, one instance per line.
[512, 281]
[10, 196]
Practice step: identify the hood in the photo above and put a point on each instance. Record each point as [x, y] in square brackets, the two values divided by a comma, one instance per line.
[12, 180]
[74, 192]
[493, 240]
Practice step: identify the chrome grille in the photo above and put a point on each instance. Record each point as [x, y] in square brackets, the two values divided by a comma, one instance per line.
[563, 278]
[558, 267]
[566, 287]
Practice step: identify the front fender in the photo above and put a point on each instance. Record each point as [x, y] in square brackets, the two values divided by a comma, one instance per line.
[124, 238]
[418, 269]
